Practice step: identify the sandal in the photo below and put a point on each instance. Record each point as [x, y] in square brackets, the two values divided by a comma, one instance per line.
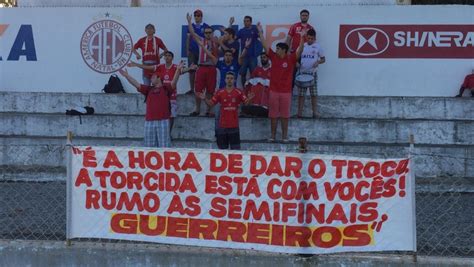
[285, 141]
[271, 140]
[194, 114]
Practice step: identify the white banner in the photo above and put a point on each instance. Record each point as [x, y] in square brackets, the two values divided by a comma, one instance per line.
[277, 202]
[75, 49]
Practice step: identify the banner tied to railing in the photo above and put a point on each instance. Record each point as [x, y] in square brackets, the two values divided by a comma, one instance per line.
[278, 202]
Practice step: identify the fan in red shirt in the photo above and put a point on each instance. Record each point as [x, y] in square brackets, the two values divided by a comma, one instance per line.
[150, 46]
[230, 98]
[166, 73]
[467, 84]
[258, 86]
[157, 127]
[282, 71]
[293, 38]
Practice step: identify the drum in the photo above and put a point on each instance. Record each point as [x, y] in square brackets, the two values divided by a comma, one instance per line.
[304, 80]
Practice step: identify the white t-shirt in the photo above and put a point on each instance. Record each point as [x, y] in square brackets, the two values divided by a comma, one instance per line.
[311, 54]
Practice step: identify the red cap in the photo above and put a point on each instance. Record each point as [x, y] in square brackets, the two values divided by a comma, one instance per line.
[198, 12]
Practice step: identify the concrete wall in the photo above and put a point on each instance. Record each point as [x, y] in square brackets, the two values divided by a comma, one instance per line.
[47, 55]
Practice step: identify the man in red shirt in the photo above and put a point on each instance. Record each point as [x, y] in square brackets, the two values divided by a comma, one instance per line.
[166, 73]
[293, 38]
[157, 127]
[283, 66]
[150, 46]
[258, 86]
[467, 84]
[230, 98]
[206, 73]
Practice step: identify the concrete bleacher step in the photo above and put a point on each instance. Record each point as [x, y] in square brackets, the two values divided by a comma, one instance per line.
[430, 161]
[383, 131]
[376, 127]
[428, 108]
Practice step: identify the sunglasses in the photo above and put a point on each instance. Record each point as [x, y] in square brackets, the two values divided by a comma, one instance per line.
[207, 32]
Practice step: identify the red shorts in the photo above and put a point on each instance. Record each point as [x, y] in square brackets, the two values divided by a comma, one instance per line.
[206, 77]
[279, 105]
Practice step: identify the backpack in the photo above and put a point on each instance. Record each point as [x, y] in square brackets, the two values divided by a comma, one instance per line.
[114, 85]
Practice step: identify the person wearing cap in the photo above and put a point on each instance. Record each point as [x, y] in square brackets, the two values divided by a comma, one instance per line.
[467, 84]
[206, 73]
[150, 46]
[157, 115]
[192, 47]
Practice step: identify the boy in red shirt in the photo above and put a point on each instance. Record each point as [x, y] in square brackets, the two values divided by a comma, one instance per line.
[281, 78]
[157, 123]
[467, 84]
[230, 98]
[150, 46]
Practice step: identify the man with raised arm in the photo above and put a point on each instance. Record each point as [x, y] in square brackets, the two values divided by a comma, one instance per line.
[283, 66]
[192, 47]
[206, 73]
[228, 64]
[166, 73]
[249, 31]
[157, 125]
